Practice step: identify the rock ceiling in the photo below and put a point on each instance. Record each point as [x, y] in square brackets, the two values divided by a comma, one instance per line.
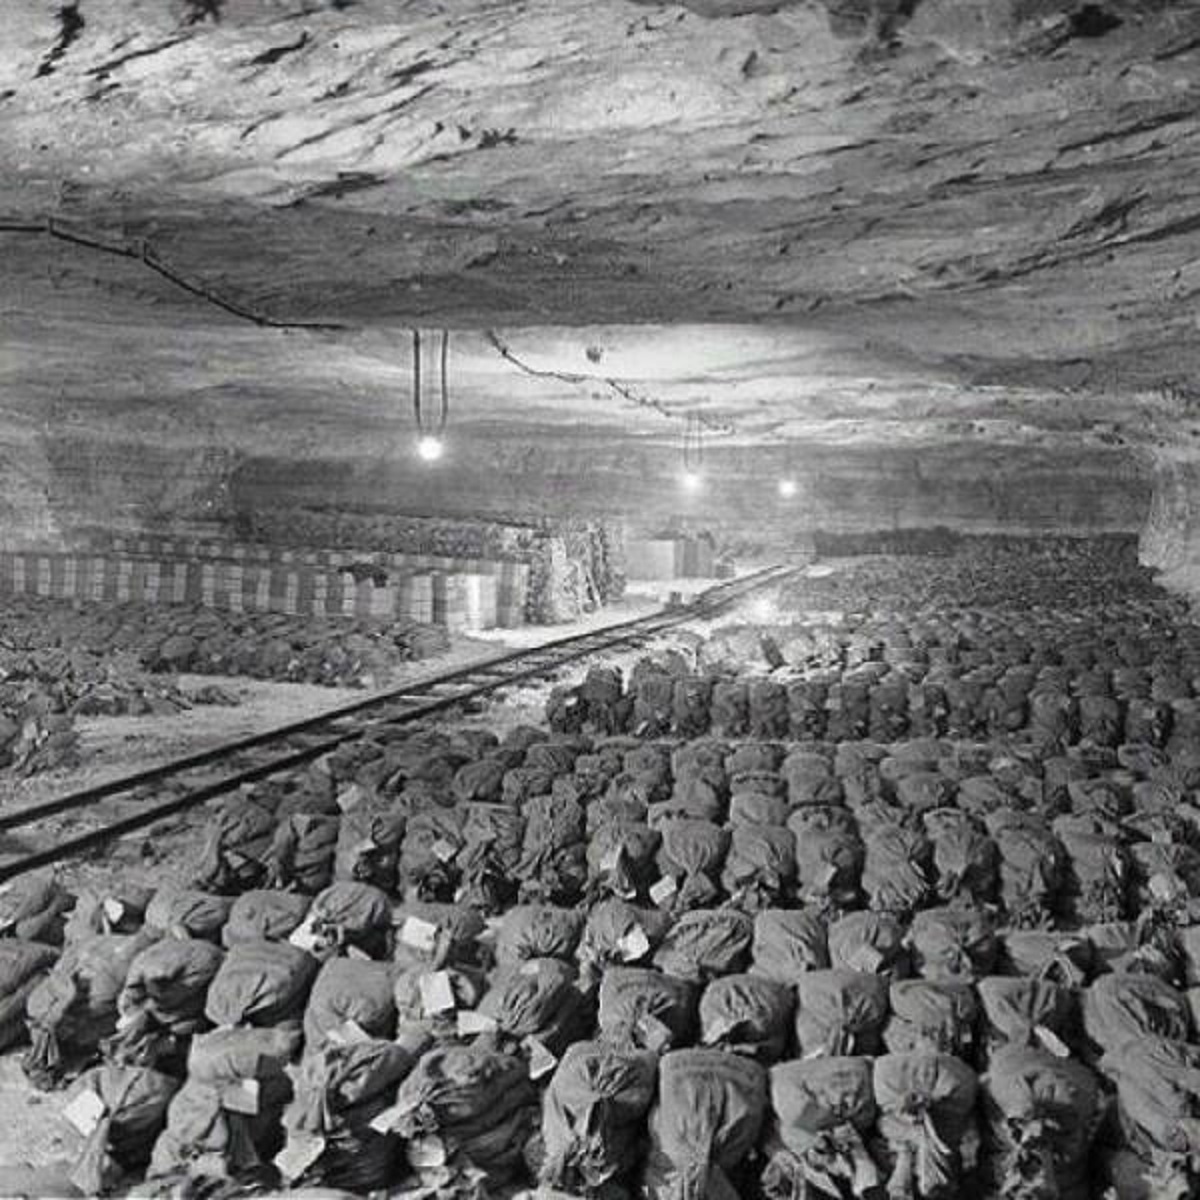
[875, 220]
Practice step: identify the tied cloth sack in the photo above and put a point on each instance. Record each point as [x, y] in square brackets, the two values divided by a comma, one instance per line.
[236, 841]
[22, 965]
[162, 1002]
[1119, 1009]
[787, 942]
[703, 1126]
[429, 854]
[120, 909]
[691, 855]
[730, 710]
[350, 990]
[760, 868]
[747, 1014]
[370, 834]
[936, 1016]
[467, 1113]
[1063, 958]
[1026, 1011]
[347, 918]
[1097, 872]
[810, 780]
[34, 908]
[182, 912]
[645, 1009]
[691, 705]
[822, 1110]
[225, 1122]
[537, 1005]
[538, 931]
[1158, 1107]
[73, 1008]
[1032, 868]
[897, 868]
[621, 859]
[1040, 1112]
[926, 1112]
[618, 932]
[840, 1012]
[334, 1134]
[120, 1110]
[966, 863]
[953, 943]
[875, 943]
[829, 857]
[261, 983]
[493, 836]
[592, 1116]
[553, 866]
[702, 945]
[265, 916]
[302, 851]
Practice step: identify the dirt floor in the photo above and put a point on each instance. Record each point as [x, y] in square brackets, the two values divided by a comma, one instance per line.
[37, 1145]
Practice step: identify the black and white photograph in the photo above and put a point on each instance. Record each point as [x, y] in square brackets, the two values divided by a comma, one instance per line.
[600, 599]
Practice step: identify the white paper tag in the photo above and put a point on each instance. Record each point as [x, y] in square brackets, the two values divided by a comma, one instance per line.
[634, 944]
[304, 937]
[241, 1097]
[826, 875]
[351, 797]
[611, 859]
[471, 1023]
[531, 966]
[437, 993]
[541, 1061]
[656, 1035]
[865, 958]
[302, 1150]
[348, 1033]
[1052, 1042]
[1163, 888]
[85, 1111]
[419, 935]
[356, 952]
[114, 910]
[426, 1153]
[491, 929]
[663, 890]
[443, 850]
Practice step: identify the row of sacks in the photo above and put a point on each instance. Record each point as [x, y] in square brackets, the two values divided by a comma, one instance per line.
[1049, 706]
[447, 1060]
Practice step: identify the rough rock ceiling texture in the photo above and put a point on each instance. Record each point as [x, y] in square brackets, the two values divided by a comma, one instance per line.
[937, 221]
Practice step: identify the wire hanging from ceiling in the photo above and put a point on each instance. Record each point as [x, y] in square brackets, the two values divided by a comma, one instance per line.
[431, 427]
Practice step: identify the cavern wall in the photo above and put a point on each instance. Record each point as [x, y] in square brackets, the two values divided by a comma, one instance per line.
[1170, 538]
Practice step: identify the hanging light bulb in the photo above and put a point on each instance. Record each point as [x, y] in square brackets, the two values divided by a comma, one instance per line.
[691, 481]
[691, 477]
[430, 448]
[787, 488]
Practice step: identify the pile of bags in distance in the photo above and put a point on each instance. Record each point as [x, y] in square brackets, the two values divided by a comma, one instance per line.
[988, 572]
[336, 652]
[617, 967]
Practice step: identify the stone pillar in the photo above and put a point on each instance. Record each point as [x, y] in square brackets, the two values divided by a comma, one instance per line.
[1170, 538]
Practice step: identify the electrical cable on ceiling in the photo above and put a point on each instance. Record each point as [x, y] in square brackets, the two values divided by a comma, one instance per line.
[139, 250]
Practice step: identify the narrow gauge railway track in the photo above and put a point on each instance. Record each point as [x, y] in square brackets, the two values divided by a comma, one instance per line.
[132, 802]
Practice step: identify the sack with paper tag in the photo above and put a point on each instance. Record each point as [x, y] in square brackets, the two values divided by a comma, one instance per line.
[481, 781]
[341, 1091]
[432, 841]
[261, 983]
[553, 867]
[22, 965]
[704, 1124]
[926, 1108]
[302, 851]
[73, 1008]
[966, 863]
[1058, 957]
[433, 1001]
[840, 1012]
[760, 868]
[368, 843]
[1165, 874]
[120, 1111]
[1032, 868]
[953, 943]
[265, 916]
[618, 932]
[1027, 1011]
[538, 999]
[1096, 880]
[1039, 1115]
[937, 1015]
[236, 841]
[897, 867]
[748, 1014]
[1118, 1009]
[34, 908]
[645, 1009]
[476, 1104]
[349, 989]
[620, 859]
[694, 797]
[702, 945]
[592, 1116]
[692, 853]
[183, 912]
[162, 1001]
[433, 934]
[829, 857]
[117, 909]
[788, 942]
[493, 837]
[1149, 945]
[822, 1113]
[537, 931]
[350, 916]
[869, 941]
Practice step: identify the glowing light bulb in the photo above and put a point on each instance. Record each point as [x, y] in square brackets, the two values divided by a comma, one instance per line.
[691, 481]
[787, 488]
[429, 448]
